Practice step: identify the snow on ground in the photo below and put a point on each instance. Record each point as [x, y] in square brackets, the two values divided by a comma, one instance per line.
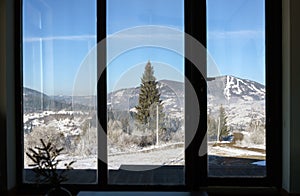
[155, 156]
[163, 155]
[113, 151]
[64, 125]
[259, 163]
[169, 156]
[81, 162]
[166, 156]
[38, 115]
[88, 162]
[240, 144]
[227, 151]
[247, 145]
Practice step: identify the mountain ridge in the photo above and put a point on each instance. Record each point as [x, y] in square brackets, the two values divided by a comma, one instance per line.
[240, 97]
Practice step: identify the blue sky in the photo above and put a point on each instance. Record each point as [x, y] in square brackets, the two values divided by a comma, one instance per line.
[236, 37]
[59, 34]
[129, 14]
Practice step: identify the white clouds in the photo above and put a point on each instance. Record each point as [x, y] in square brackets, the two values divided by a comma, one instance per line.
[67, 37]
[145, 36]
[241, 34]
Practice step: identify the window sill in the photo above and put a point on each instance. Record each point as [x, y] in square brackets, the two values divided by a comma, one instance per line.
[142, 193]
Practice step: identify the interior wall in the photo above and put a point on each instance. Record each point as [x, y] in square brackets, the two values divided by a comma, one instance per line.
[286, 93]
[2, 96]
[291, 95]
[295, 96]
[10, 94]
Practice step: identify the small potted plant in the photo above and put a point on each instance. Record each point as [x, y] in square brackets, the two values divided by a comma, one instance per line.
[45, 164]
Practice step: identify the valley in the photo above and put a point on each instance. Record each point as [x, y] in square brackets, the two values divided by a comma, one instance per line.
[72, 122]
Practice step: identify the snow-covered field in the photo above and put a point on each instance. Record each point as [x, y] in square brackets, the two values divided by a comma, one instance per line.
[158, 156]
[165, 154]
[236, 151]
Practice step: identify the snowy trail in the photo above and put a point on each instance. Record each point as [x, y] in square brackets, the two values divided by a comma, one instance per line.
[163, 155]
[236, 151]
[170, 156]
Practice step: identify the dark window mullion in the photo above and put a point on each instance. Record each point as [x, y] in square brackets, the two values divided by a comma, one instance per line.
[18, 78]
[195, 26]
[101, 93]
[273, 19]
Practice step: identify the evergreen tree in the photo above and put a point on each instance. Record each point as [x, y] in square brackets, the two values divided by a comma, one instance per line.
[224, 131]
[125, 125]
[149, 100]
[212, 126]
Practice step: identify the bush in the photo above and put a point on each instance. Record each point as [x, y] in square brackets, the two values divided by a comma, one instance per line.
[146, 141]
[258, 136]
[237, 137]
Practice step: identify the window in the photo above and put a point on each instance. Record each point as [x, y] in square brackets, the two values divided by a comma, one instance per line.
[91, 104]
[59, 83]
[236, 88]
[145, 140]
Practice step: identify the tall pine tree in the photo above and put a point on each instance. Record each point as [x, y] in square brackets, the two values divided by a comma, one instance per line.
[149, 100]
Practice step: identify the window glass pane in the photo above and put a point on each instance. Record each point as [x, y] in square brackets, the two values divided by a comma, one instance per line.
[236, 88]
[145, 97]
[59, 84]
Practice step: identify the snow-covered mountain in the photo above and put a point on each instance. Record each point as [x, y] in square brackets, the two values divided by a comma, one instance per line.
[234, 89]
[34, 101]
[171, 94]
[221, 90]
[243, 100]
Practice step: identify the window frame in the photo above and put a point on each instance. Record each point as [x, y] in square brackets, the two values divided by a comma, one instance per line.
[196, 176]
[273, 67]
